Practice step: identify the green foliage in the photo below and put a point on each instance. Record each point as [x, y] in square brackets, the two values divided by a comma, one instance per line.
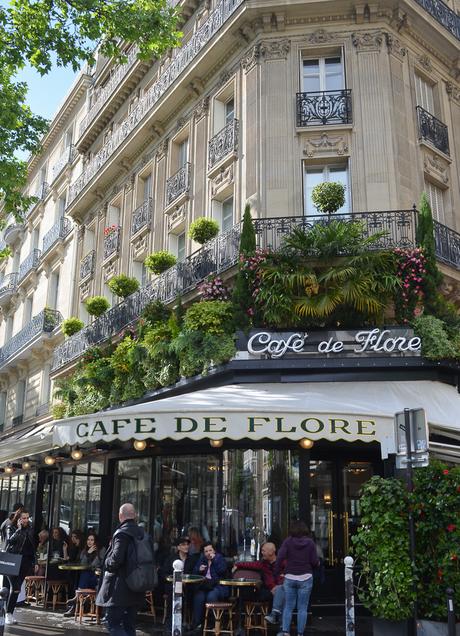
[242, 290]
[36, 33]
[328, 197]
[198, 351]
[203, 230]
[155, 312]
[97, 305]
[123, 285]
[125, 363]
[72, 325]
[209, 316]
[248, 234]
[58, 410]
[162, 364]
[425, 239]
[159, 262]
[436, 342]
[381, 548]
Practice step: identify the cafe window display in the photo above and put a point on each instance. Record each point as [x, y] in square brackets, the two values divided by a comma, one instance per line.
[78, 489]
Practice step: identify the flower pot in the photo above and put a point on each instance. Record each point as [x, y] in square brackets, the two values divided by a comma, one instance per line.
[382, 627]
[433, 628]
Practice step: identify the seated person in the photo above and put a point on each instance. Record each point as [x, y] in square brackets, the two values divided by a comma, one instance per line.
[190, 560]
[41, 553]
[76, 545]
[92, 556]
[272, 590]
[58, 544]
[213, 567]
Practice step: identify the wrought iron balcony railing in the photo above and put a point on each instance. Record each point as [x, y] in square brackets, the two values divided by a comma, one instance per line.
[31, 262]
[178, 184]
[447, 242]
[184, 58]
[323, 107]
[215, 257]
[41, 194]
[64, 160]
[103, 94]
[112, 242]
[12, 232]
[8, 284]
[142, 216]
[443, 14]
[223, 143]
[433, 130]
[87, 265]
[58, 232]
[44, 322]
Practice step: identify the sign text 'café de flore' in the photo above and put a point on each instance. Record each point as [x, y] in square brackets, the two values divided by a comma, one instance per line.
[351, 411]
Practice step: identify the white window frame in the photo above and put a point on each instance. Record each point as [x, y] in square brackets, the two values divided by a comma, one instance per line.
[437, 203]
[326, 174]
[322, 70]
[424, 94]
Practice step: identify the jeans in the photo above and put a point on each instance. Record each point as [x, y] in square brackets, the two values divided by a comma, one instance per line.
[201, 597]
[278, 599]
[121, 621]
[296, 593]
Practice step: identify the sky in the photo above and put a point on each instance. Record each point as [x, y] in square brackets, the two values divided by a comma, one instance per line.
[46, 93]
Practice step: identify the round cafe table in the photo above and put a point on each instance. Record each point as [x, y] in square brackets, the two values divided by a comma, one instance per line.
[187, 578]
[238, 584]
[75, 567]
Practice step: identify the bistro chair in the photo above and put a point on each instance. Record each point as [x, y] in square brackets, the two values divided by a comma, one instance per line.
[86, 605]
[35, 588]
[56, 587]
[255, 612]
[150, 604]
[220, 614]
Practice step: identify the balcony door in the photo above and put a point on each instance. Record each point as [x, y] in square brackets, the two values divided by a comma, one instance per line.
[314, 175]
[323, 74]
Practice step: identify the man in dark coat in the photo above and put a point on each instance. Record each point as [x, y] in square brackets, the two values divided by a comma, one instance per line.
[120, 602]
[20, 542]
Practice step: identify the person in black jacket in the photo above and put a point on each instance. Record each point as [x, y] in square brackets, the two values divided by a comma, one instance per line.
[120, 602]
[20, 542]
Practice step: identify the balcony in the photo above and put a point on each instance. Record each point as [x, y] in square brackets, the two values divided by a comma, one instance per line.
[432, 130]
[41, 194]
[30, 263]
[323, 108]
[217, 256]
[223, 144]
[142, 216]
[178, 184]
[103, 94]
[182, 61]
[442, 14]
[112, 242]
[447, 242]
[41, 326]
[87, 265]
[58, 232]
[12, 233]
[64, 160]
[8, 288]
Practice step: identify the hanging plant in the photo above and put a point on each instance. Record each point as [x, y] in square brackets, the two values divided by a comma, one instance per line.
[411, 270]
[110, 229]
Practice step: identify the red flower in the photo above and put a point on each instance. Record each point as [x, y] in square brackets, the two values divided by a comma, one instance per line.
[454, 557]
[458, 488]
[439, 575]
[451, 527]
[445, 472]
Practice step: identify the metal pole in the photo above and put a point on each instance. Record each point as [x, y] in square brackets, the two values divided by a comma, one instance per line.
[4, 592]
[349, 597]
[410, 488]
[450, 612]
[176, 623]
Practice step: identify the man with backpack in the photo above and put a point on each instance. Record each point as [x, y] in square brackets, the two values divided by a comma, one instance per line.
[128, 572]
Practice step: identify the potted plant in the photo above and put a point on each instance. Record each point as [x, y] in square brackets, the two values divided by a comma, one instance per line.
[203, 230]
[159, 262]
[328, 197]
[97, 305]
[123, 285]
[72, 325]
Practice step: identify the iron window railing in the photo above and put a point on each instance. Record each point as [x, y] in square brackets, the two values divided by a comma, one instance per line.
[142, 216]
[87, 265]
[178, 184]
[447, 244]
[31, 262]
[223, 143]
[44, 322]
[9, 283]
[443, 14]
[41, 194]
[431, 129]
[65, 159]
[59, 231]
[112, 242]
[323, 107]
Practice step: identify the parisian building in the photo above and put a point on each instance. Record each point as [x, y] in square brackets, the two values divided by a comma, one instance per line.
[261, 102]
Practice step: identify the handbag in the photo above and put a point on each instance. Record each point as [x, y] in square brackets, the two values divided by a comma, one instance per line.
[10, 563]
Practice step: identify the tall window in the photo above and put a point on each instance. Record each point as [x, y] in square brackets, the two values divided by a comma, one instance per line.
[319, 174]
[229, 109]
[147, 187]
[424, 94]
[181, 247]
[27, 315]
[20, 397]
[35, 237]
[227, 214]
[68, 138]
[54, 290]
[436, 198]
[182, 153]
[322, 74]
[60, 207]
[3, 398]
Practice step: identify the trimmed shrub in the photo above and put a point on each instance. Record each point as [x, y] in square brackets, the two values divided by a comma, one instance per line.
[123, 285]
[159, 262]
[210, 316]
[203, 230]
[97, 305]
[328, 197]
[72, 325]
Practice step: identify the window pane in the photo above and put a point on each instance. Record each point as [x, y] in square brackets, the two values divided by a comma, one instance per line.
[134, 483]
[181, 247]
[340, 174]
[65, 506]
[229, 111]
[227, 214]
[94, 504]
[79, 502]
[29, 499]
[311, 77]
[313, 176]
[333, 74]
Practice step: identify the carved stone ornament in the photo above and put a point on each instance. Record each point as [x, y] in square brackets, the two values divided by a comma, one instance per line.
[395, 46]
[365, 42]
[140, 247]
[110, 269]
[162, 148]
[425, 62]
[181, 123]
[325, 144]
[453, 91]
[251, 58]
[224, 77]
[81, 232]
[176, 216]
[436, 168]
[451, 289]
[85, 290]
[321, 36]
[202, 108]
[275, 49]
[222, 180]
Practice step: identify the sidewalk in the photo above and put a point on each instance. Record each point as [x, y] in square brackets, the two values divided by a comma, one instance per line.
[36, 622]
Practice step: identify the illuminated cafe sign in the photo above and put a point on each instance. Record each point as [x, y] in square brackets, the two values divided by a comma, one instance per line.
[398, 341]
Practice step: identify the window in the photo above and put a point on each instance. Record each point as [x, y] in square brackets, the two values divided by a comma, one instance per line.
[53, 290]
[60, 207]
[319, 174]
[436, 198]
[181, 247]
[182, 153]
[3, 399]
[424, 94]
[68, 138]
[35, 238]
[147, 187]
[229, 109]
[140, 272]
[20, 397]
[46, 385]
[27, 315]
[322, 74]
[227, 215]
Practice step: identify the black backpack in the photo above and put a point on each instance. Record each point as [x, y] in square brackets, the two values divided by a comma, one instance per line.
[140, 565]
